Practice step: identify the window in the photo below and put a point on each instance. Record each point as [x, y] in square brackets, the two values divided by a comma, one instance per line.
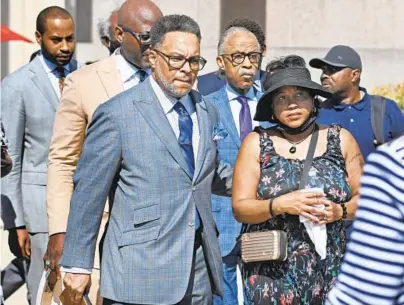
[82, 11]
[254, 9]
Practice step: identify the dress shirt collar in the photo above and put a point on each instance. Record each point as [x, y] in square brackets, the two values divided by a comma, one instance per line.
[232, 94]
[168, 102]
[360, 105]
[126, 69]
[49, 66]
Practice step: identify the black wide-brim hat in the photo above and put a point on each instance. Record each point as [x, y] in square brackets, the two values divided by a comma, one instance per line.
[293, 76]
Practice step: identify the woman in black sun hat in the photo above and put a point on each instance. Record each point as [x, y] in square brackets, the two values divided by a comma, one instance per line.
[270, 194]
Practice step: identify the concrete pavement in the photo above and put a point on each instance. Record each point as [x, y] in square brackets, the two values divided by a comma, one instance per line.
[20, 296]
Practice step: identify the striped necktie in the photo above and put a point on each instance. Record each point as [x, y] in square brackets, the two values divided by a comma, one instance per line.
[60, 73]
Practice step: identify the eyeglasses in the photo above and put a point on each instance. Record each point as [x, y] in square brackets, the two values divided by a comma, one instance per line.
[143, 38]
[239, 57]
[328, 69]
[196, 63]
[300, 97]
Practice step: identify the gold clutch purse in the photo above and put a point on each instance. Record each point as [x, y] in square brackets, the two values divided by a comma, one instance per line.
[264, 246]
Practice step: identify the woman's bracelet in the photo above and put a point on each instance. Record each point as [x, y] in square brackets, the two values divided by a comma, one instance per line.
[271, 212]
[344, 211]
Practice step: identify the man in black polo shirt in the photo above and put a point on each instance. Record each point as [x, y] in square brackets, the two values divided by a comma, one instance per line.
[350, 105]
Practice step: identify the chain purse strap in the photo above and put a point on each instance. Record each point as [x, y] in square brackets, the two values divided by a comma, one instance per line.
[309, 158]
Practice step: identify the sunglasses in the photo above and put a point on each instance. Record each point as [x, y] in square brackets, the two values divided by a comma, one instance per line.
[143, 38]
[332, 69]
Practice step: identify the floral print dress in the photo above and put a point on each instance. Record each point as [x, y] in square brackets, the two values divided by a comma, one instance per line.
[303, 278]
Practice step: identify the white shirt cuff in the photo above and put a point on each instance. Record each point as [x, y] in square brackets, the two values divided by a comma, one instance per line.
[76, 270]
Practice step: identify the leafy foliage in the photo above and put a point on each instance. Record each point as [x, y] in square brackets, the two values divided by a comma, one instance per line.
[394, 92]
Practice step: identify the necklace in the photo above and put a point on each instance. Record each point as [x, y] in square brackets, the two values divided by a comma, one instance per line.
[292, 150]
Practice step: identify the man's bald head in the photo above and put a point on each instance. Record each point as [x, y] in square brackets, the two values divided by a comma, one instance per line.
[113, 19]
[134, 12]
[136, 17]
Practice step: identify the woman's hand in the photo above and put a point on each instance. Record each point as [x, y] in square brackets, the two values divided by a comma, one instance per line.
[333, 212]
[302, 203]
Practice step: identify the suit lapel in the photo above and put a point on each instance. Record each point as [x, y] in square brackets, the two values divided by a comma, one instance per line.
[263, 77]
[203, 121]
[149, 106]
[109, 77]
[42, 82]
[226, 116]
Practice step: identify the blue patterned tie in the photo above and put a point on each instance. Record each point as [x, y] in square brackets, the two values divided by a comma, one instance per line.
[245, 118]
[185, 141]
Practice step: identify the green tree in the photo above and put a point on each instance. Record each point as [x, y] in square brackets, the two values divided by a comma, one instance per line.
[394, 92]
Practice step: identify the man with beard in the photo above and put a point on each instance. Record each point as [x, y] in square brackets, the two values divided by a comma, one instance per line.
[84, 91]
[351, 105]
[30, 97]
[239, 58]
[154, 146]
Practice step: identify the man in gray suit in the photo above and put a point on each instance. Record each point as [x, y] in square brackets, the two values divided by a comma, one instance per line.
[154, 147]
[30, 97]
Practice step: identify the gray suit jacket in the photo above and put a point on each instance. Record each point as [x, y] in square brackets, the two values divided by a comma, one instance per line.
[28, 106]
[132, 150]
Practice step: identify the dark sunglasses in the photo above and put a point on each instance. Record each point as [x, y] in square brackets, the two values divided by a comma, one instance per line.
[328, 69]
[143, 38]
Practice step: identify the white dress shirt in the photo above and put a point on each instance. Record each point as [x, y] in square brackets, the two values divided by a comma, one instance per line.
[167, 103]
[127, 71]
[235, 105]
[52, 74]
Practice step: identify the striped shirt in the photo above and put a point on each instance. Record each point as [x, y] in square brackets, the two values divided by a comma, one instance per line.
[3, 139]
[373, 268]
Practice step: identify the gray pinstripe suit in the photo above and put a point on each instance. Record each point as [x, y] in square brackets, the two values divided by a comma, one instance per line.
[149, 246]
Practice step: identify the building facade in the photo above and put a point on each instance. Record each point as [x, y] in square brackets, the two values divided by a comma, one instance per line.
[375, 28]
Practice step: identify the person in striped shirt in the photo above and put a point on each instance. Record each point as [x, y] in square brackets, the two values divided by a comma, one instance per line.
[373, 268]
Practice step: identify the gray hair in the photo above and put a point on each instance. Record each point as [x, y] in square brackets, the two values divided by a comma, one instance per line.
[106, 8]
[227, 34]
[173, 23]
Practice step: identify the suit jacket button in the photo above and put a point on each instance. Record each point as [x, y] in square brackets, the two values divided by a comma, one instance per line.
[191, 223]
[193, 188]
